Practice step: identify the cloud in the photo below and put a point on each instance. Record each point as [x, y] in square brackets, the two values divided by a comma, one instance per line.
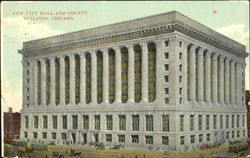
[24, 30]
[237, 32]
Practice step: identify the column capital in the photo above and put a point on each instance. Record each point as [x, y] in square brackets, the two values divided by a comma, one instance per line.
[92, 51]
[158, 42]
[143, 44]
[104, 50]
[208, 53]
[129, 46]
[193, 47]
[61, 56]
[201, 51]
[42, 60]
[215, 56]
[71, 55]
[232, 62]
[81, 54]
[116, 48]
[51, 58]
[221, 58]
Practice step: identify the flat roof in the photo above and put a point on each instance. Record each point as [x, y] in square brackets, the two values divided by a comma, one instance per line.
[141, 23]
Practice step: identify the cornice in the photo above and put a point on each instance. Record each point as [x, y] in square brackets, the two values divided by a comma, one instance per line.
[135, 34]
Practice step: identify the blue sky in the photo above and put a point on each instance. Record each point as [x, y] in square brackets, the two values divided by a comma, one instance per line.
[227, 17]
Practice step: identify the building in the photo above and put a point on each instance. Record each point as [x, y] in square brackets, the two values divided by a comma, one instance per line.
[248, 110]
[12, 124]
[162, 82]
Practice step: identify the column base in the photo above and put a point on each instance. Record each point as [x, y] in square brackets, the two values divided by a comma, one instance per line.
[131, 101]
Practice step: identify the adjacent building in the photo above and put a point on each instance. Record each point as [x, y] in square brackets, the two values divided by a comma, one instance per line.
[248, 110]
[163, 82]
[12, 124]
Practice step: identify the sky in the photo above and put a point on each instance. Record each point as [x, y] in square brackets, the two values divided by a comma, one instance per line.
[229, 18]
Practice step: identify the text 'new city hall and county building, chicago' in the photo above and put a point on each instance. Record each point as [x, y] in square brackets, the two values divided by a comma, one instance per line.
[161, 82]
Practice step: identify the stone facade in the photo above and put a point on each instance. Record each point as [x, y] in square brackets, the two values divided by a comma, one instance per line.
[163, 82]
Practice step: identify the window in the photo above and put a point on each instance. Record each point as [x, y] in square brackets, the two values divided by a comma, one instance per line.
[109, 124]
[200, 122]
[166, 100]
[149, 122]
[28, 89]
[180, 43]
[227, 121]
[221, 121]
[165, 123]
[35, 135]
[180, 55]
[180, 68]
[74, 121]
[166, 43]
[243, 120]
[232, 121]
[108, 138]
[166, 55]
[180, 90]
[28, 98]
[64, 136]
[53, 135]
[166, 67]
[25, 134]
[191, 122]
[238, 133]
[166, 78]
[54, 119]
[97, 122]
[232, 134]
[35, 121]
[238, 121]
[243, 133]
[85, 122]
[215, 122]
[165, 140]
[121, 138]
[27, 72]
[135, 122]
[182, 140]
[208, 137]
[64, 121]
[135, 139]
[44, 135]
[45, 122]
[227, 135]
[122, 122]
[180, 79]
[26, 121]
[207, 122]
[149, 139]
[200, 138]
[192, 139]
[166, 90]
[180, 100]
[181, 122]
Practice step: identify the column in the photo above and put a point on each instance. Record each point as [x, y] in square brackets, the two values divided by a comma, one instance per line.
[105, 75]
[62, 80]
[43, 81]
[232, 82]
[82, 78]
[192, 74]
[35, 82]
[221, 79]
[24, 88]
[208, 76]
[131, 73]
[72, 79]
[185, 72]
[144, 72]
[93, 77]
[52, 81]
[227, 84]
[118, 78]
[200, 79]
[214, 78]
[237, 85]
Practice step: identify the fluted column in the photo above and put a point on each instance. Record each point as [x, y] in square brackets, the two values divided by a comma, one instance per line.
[35, 67]
[237, 85]
[118, 77]
[227, 84]
[200, 80]
[82, 79]
[62, 80]
[221, 79]
[43, 81]
[93, 77]
[72, 79]
[232, 82]
[215, 78]
[208, 76]
[105, 82]
[185, 71]
[144, 72]
[192, 74]
[131, 75]
[52, 81]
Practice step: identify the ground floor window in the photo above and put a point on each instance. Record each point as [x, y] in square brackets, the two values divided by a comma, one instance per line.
[182, 140]
[35, 135]
[25, 134]
[149, 139]
[108, 138]
[208, 137]
[121, 138]
[53, 135]
[238, 133]
[165, 140]
[44, 135]
[135, 139]
[192, 138]
[64, 136]
[200, 138]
